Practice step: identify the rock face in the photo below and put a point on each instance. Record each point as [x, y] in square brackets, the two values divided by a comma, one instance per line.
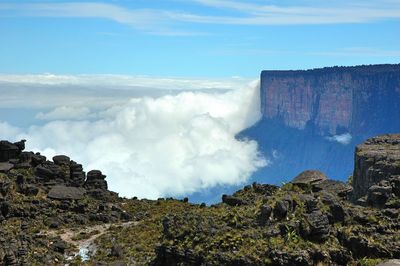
[361, 100]
[377, 165]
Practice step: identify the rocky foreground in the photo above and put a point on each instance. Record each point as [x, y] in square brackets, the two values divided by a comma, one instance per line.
[52, 212]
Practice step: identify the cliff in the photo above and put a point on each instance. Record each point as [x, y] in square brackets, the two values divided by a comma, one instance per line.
[54, 213]
[360, 100]
[377, 162]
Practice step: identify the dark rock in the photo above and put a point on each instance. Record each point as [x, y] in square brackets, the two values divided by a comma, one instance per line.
[8, 151]
[61, 192]
[233, 201]
[30, 190]
[37, 159]
[316, 227]
[59, 246]
[280, 209]
[265, 214]
[116, 251]
[48, 171]
[95, 180]
[61, 160]
[378, 195]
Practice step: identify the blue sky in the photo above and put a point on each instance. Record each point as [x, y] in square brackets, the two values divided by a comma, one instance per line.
[195, 38]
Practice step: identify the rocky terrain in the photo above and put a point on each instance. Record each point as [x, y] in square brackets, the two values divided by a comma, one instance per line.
[52, 212]
[360, 100]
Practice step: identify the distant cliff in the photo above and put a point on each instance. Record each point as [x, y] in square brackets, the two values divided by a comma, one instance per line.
[361, 100]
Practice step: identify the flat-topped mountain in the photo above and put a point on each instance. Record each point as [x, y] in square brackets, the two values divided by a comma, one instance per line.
[53, 212]
[360, 100]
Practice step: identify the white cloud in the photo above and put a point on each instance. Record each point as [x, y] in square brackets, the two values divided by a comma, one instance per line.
[98, 91]
[168, 22]
[152, 147]
[66, 113]
[342, 139]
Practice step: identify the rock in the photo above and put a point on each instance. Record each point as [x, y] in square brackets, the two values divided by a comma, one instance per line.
[59, 246]
[378, 195]
[95, 180]
[390, 263]
[281, 209]
[316, 227]
[376, 159]
[61, 192]
[233, 201]
[308, 178]
[265, 214]
[48, 171]
[30, 190]
[333, 186]
[5, 167]
[116, 251]
[37, 159]
[8, 151]
[61, 160]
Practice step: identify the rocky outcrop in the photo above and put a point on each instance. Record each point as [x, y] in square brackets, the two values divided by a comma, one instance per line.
[50, 209]
[377, 169]
[361, 100]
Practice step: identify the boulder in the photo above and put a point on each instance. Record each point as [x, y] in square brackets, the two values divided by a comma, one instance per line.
[96, 180]
[5, 167]
[316, 227]
[309, 177]
[281, 209]
[61, 192]
[233, 201]
[61, 160]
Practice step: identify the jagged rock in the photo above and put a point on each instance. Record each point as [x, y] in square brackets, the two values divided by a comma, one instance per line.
[233, 201]
[61, 192]
[308, 178]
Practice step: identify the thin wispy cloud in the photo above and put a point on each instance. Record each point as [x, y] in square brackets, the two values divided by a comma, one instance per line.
[171, 22]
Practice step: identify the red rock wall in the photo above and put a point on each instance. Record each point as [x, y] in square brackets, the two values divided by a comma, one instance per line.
[333, 100]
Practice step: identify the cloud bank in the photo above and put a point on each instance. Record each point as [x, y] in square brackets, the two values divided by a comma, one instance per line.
[151, 147]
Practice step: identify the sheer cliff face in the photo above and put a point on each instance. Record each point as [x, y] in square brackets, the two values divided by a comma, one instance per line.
[360, 100]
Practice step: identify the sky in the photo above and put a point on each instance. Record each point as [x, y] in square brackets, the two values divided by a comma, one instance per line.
[153, 92]
[195, 38]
